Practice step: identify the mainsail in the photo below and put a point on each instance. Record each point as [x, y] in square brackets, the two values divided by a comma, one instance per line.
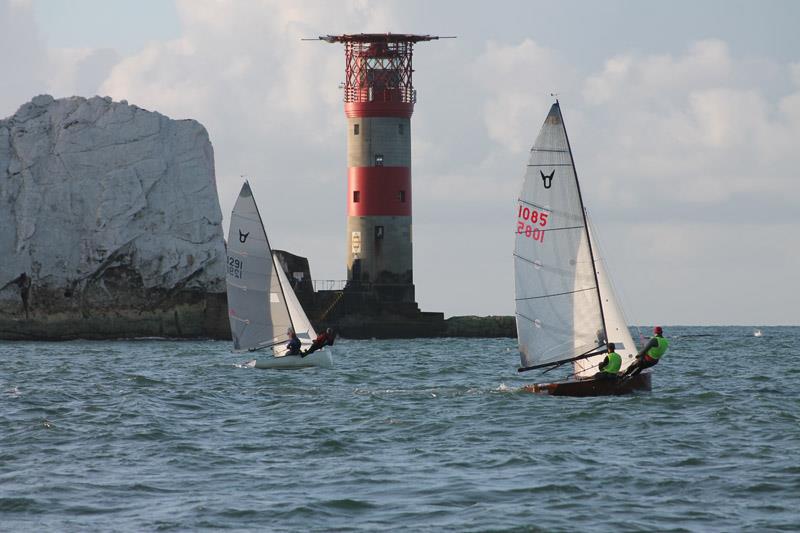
[558, 310]
[257, 307]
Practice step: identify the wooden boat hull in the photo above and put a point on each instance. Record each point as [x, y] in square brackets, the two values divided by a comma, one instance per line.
[321, 358]
[591, 387]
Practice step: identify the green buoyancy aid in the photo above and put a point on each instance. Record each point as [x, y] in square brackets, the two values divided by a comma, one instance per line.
[614, 363]
[659, 350]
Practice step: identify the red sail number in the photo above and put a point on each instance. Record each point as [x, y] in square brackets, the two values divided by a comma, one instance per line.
[534, 217]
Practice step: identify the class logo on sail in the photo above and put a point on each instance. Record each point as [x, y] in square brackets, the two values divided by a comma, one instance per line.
[547, 180]
[243, 236]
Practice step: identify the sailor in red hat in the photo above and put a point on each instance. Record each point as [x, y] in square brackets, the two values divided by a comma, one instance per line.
[651, 354]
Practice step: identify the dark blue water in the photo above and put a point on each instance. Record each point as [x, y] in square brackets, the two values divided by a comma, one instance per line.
[402, 435]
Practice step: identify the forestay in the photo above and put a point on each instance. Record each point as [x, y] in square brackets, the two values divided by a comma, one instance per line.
[558, 308]
[257, 308]
[301, 323]
[616, 325]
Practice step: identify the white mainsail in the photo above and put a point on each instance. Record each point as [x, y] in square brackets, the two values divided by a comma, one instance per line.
[558, 310]
[257, 307]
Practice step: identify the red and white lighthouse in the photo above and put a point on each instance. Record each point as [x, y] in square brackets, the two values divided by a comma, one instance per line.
[379, 100]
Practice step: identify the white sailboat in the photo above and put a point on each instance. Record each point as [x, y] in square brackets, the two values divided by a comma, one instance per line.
[262, 306]
[566, 309]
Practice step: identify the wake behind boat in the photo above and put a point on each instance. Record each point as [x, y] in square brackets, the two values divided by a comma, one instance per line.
[566, 309]
[262, 306]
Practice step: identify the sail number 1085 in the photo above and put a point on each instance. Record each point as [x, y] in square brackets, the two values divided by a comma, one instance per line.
[531, 223]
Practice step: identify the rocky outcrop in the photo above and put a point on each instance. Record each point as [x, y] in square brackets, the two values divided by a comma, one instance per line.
[111, 213]
[480, 326]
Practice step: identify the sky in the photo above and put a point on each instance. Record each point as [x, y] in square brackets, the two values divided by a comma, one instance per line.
[684, 119]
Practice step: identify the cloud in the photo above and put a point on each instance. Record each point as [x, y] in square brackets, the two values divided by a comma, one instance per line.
[518, 80]
[794, 73]
[696, 129]
[33, 69]
[23, 59]
[79, 71]
[643, 79]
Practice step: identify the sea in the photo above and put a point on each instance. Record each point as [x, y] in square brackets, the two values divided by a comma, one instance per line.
[402, 435]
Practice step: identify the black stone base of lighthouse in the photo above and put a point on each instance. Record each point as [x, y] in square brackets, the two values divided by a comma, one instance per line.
[384, 309]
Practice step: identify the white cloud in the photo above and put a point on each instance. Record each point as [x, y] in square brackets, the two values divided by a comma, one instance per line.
[29, 68]
[727, 118]
[692, 129]
[645, 79]
[794, 73]
[78, 71]
[23, 57]
[518, 80]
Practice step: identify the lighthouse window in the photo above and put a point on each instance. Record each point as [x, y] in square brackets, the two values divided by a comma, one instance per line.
[355, 129]
[402, 197]
[378, 160]
[356, 196]
[400, 129]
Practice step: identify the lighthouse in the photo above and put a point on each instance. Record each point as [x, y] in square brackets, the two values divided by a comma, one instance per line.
[379, 99]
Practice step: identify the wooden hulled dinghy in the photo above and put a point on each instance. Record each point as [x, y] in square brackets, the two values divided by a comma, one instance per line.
[592, 387]
[566, 309]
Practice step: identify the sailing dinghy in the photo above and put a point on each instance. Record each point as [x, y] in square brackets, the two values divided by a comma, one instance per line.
[566, 309]
[262, 306]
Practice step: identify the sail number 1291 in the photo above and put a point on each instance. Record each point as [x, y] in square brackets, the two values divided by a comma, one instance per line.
[235, 267]
[531, 223]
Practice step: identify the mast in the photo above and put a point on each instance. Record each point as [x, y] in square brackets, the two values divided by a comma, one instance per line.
[585, 226]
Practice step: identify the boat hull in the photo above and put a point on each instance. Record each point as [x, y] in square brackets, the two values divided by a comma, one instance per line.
[321, 359]
[592, 387]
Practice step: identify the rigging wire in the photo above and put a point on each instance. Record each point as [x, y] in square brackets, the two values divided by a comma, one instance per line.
[621, 297]
[584, 370]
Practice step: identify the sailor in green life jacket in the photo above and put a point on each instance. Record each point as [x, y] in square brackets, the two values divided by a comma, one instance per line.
[609, 367]
[651, 354]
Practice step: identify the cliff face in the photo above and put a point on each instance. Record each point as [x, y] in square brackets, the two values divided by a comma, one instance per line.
[110, 223]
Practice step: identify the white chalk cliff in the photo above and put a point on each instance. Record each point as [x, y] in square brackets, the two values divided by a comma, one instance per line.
[111, 211]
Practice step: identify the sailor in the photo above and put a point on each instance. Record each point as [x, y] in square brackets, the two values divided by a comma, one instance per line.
[650, 354]
[294, 343]
[609, 367]
[325, 338]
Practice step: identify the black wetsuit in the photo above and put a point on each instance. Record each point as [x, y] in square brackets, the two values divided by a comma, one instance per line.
[293, 346]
